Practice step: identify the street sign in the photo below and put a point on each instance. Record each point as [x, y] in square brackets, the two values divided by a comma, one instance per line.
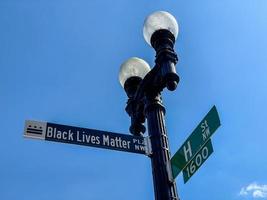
[87, 137]
[195, 141]
[197, 161]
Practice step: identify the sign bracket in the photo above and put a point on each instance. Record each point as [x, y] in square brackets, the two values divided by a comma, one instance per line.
[148, 146]
[169, 171]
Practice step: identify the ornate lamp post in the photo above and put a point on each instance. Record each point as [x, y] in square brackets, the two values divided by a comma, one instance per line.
[143, 88]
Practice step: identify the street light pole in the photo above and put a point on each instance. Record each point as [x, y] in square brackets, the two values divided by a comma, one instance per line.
[164, 188]
[143, 88]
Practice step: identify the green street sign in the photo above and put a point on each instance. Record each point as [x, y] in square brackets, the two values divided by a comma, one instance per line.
[195, 141]
[197, 161]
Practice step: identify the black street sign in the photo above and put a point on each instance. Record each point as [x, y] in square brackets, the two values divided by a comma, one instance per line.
[84, 136]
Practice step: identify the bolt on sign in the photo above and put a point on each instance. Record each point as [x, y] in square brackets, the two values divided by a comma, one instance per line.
[87, 137]
[195, 142]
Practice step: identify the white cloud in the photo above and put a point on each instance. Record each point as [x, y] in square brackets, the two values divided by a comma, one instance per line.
[258, 194]
[255, 190]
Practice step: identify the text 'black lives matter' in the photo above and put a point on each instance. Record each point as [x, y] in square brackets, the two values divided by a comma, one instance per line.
[86, 137]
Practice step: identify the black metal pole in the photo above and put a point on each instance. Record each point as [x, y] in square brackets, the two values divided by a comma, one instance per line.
[145, 102]
[164, 188]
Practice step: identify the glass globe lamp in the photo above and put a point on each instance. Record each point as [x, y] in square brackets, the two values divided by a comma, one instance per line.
[135, 68]
[160, 20]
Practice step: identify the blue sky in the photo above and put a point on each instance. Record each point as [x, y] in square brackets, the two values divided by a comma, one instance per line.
[59, 62]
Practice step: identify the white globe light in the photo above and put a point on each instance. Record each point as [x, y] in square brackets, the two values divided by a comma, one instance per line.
[159, 20]
[133, 67]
